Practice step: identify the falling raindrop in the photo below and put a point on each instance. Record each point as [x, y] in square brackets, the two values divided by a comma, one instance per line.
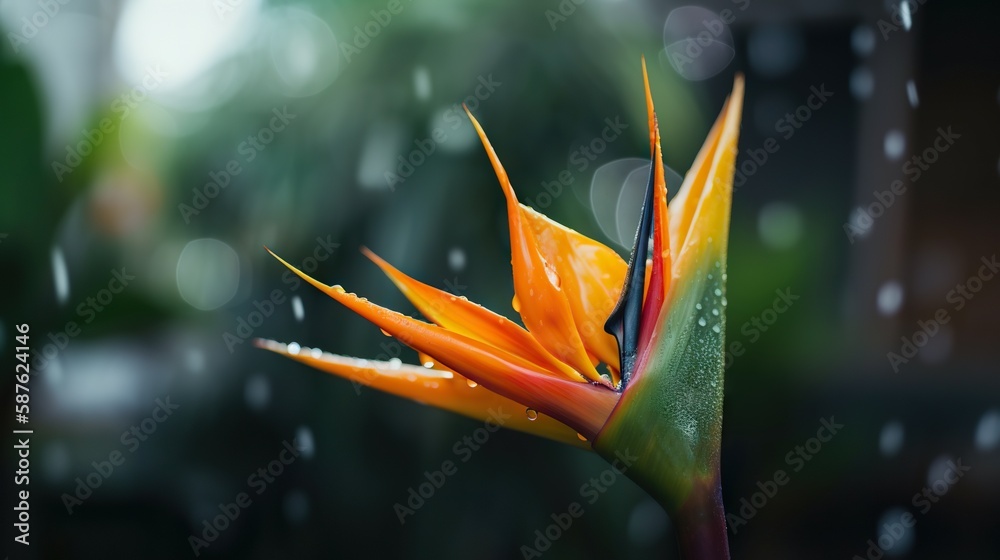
[862, 83]
[890, 298]
[937, 472]
[422, 83]
[456, 259]
[208, 273]
[775, 49]
[779, 225]
[988, 430]
[531, 414]
[911, 93]
[257, 392]
[863, 40]
[296, 507]
[194, 359]
[894, 144]
[890, 441]
[905, 15]
[304, 441]
[893, 530]
[60, 276]
[297, 308]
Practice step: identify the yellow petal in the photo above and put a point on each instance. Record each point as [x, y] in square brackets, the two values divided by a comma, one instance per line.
[685, 202]
[543, 304]
[708, 233]
[593, 276]
[434, 387]
[460, 315]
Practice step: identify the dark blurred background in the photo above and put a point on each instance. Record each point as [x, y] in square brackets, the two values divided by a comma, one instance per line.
[150, 149]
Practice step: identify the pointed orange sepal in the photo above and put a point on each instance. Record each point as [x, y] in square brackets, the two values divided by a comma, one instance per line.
[582, 406]
[459, 315]
[433, 387]
[537, 284]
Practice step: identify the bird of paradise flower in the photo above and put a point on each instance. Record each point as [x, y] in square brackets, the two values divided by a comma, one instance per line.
[663, 319]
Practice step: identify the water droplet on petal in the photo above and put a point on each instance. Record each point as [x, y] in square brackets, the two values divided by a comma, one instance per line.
[697, 306]
[339, 289]
[716, 328]
[715, 312]
[581, 436]
[702, 322]
[531, 414]
[718, 292]
[471, 383]
[395, 363]
[297, 309]
[516, 304]
[725, 301]
[386, 333]
[428, 364]
[293, 348]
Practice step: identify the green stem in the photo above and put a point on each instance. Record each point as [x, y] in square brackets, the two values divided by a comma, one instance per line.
[701, 524]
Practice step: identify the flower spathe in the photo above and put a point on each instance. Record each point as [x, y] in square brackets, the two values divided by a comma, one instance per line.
[656, 323]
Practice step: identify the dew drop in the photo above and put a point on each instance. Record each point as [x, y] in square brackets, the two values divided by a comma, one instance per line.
[725, 301]
[718, 292]
[516, 304]
[715, 312]
[531, 413]
[293, 348]
[581, 436]
[471, 383]
[339, 289]
[428, 364]
[395, 363]
[697, 306]
[386, 333]
[702, 322]
[716, 328]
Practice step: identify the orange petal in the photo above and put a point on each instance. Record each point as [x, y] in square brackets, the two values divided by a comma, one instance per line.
[658, 282]
[709, 229]
[582, 406]
[433, 387]
[593, 276]
[537, 285]
[461, 316]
